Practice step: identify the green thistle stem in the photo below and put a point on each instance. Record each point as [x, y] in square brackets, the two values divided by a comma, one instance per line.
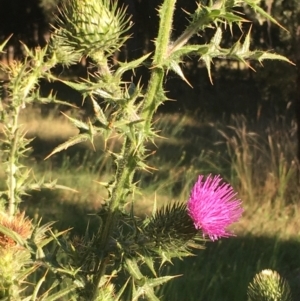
[27, 80]
[154, 96]
[126, 166]
[12, 181]
[128, 159]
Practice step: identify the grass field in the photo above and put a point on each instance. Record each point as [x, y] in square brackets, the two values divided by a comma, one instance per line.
[256, 157]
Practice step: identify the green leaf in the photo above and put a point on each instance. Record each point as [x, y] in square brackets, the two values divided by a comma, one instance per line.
[264, 55]
[78, 86]
[189, 50]
[143, 286]
[149, 262]
[217, 38]
[174, 66]
[49, 185]
[258, 9]
[72, 141]
[233, 18]
[4, 43]
[38, 286]
[133, 269]
[79, 124]
[13, 235]
[121, 291]
[147, 289]
[207, 61]
[99, 112]
[130, 65]
[49, 99]
[154, 282]
[61, 293]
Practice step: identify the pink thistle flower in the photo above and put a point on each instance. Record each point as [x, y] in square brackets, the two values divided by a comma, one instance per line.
[213, 207]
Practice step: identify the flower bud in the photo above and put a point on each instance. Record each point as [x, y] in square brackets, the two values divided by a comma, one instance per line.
[92, 25]
[268, 285]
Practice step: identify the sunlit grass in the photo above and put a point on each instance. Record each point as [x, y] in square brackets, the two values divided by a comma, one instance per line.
[257, 158]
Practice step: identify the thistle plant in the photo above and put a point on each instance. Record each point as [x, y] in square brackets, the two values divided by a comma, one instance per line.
[124, 245]
[268, 285]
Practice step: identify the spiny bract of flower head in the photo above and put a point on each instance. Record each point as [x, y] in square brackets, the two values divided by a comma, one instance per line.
[213, 206]
[92, 25]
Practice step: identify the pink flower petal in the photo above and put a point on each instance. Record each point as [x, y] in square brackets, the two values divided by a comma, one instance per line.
[213, 207]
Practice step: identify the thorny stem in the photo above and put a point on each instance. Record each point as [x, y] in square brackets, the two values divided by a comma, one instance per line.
[127, 164]
[12, 181]
[154, 91]
[124, 174]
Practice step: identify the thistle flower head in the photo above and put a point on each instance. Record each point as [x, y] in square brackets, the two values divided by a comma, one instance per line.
[17, 223]
[13, 257]
[213, 207]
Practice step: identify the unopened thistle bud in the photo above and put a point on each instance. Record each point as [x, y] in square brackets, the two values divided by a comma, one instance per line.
[268, 285]
[92, 26]
[171, 224]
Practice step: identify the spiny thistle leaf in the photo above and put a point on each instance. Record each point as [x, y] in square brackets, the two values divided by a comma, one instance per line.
[141, 285]
[4, 43]
[99, 114]
[72, 141]
[174, 66]
[49, 185]
[150, 263]
[207, 61]
[264, 55]
[188, 50]
[130, 65]
[84, 127]
[268, 285]
[61, 293]
[81, 87]
[217, 38]
[118, 296]
[101, 88]
[37, 288]
[219, 12]
[147, 289]
[87, 132]
[254, 4]
[35, 96]
[239, 51]
[40, 238]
